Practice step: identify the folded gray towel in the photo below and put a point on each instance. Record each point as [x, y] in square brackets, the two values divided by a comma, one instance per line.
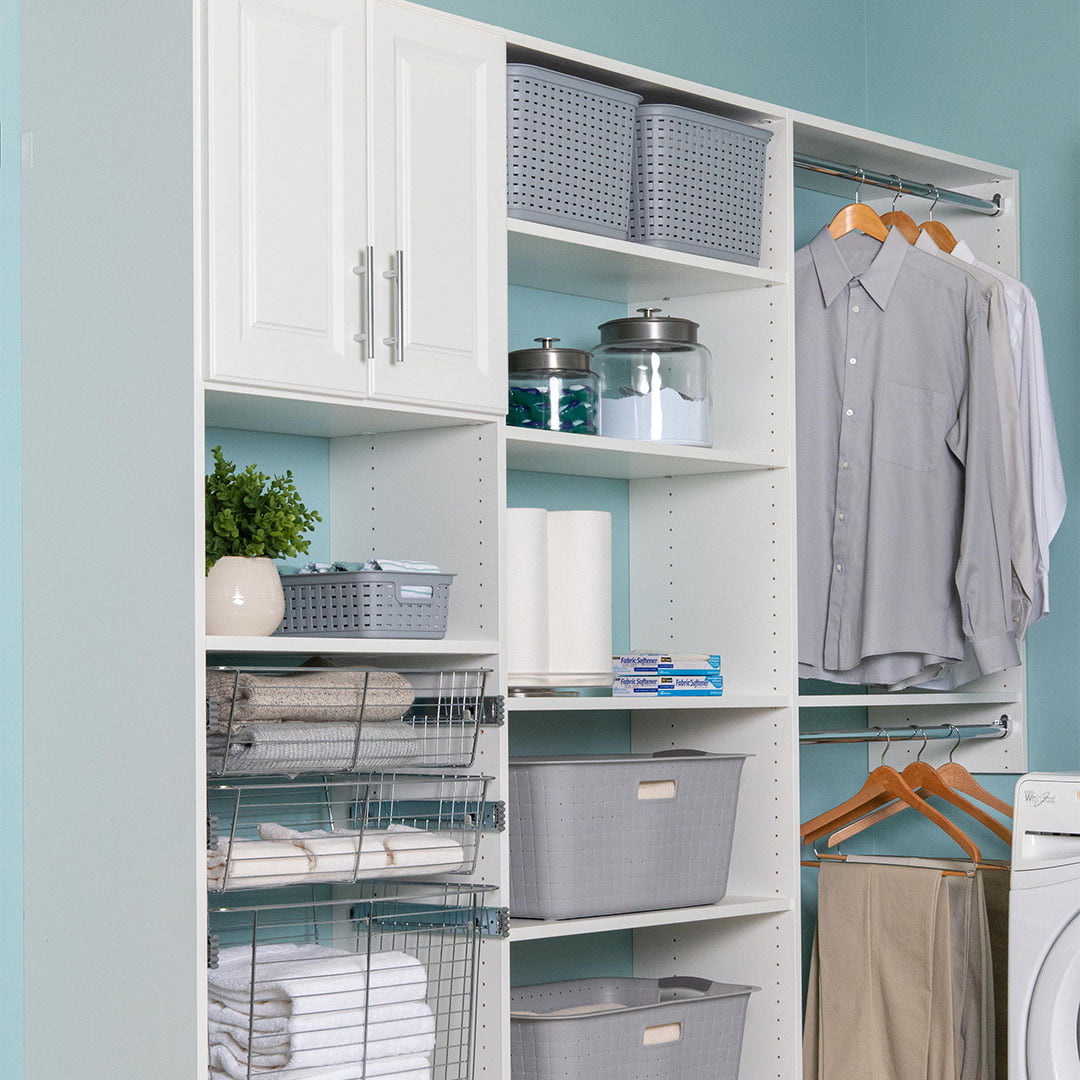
[311, 695]
[291, 747]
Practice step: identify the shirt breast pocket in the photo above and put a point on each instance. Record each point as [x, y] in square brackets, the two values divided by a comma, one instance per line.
[910, 425]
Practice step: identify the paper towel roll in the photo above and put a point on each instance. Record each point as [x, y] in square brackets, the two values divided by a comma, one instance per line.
[527, 590]
[579, 590]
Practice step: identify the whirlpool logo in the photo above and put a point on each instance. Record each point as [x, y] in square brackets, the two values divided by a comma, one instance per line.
[1039, 798]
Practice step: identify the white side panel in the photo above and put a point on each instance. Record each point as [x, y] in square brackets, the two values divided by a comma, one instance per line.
[115, 929]
[286, 137]
[437, 120]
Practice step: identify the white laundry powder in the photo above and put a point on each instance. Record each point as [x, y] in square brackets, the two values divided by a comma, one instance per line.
[663, 417]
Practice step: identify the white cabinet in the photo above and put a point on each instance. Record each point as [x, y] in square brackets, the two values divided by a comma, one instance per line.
[354, 199]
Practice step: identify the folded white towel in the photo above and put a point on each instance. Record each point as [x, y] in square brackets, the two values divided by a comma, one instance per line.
[307, 1008]
[412, 850]
[330, 1037]
[406, 1067]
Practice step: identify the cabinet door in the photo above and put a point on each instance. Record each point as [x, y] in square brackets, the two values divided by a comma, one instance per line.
[436, 114]
[285, 184]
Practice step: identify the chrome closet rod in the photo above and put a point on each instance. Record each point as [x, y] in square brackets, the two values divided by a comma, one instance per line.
[996, 730]
[895, 183]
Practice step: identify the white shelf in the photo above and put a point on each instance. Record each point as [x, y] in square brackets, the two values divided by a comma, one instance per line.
[565, 261]
[622, 459]
[731, 907]
[278, 646]
[903, 700]
[645, 704]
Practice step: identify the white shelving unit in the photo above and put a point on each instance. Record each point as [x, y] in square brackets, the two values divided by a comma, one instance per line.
[414, 444]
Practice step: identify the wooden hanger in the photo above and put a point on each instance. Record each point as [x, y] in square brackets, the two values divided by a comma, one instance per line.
[858, 216]
[959, 779]
[924, 779]
[940, 234]
[883, 785]
[903, 223]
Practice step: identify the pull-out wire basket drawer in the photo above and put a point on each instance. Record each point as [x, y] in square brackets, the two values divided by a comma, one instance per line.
[291, 721]
[381, 983]
[264, 833]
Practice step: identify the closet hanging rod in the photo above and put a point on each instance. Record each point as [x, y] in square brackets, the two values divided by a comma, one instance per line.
[996, 730]
[895, 183]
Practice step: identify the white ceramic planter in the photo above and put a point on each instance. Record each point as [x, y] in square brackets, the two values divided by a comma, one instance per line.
[243, 597]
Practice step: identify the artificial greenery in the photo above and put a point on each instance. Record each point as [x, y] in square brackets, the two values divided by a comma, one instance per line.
[250, 513]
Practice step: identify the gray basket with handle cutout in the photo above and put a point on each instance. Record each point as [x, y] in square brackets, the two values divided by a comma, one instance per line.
[602, 834]
[681, 1026]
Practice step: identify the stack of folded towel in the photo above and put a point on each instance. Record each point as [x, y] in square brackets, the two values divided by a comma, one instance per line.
[284, 856]
[309, 721]
[315, 1012]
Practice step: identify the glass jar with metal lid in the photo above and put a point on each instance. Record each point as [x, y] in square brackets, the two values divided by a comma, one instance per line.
[654, 378]
[554, 389]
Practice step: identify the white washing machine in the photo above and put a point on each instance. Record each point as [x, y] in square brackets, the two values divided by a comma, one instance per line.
[1044, 929]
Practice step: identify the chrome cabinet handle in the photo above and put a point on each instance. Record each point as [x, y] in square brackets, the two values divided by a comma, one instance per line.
[367, 325]
[397, 275]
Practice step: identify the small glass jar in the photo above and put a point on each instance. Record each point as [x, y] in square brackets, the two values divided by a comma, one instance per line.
[654, 377]
[554, 390]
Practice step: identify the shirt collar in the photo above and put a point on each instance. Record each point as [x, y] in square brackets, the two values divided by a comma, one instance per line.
[878, 279]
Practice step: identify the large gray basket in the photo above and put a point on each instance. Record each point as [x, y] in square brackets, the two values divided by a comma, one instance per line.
[698, 183]
[366, 604]
[600, 835]
[569, 144]
[677, 1027]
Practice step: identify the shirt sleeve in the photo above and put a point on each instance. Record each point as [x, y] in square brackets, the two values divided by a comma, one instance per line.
[983, 572]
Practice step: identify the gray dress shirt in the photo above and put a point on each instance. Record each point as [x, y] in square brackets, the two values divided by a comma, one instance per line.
[903, 506]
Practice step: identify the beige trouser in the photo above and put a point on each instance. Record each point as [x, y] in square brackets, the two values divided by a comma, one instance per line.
[901, 982]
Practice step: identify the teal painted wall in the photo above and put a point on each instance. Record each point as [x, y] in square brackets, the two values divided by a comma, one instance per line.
[11, 823]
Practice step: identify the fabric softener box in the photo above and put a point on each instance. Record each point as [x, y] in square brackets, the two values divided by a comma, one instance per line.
[650, 663]
[669, 685]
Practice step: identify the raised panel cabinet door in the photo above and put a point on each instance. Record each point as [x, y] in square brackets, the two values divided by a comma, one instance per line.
[285, 194]
[436, 114]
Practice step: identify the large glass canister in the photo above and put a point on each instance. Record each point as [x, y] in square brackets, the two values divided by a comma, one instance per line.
[553, 389]
[654, 378]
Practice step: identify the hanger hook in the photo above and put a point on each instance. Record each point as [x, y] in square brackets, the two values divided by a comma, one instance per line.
[956, 731]
[888, 742]
[937, 195]
[899, 191]
[862, 176]
[925, 739]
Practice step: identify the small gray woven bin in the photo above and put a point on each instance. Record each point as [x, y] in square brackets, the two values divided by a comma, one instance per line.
[657, 1029]
[366, 604]
[601, 835]
[698, 183]
[569, 144]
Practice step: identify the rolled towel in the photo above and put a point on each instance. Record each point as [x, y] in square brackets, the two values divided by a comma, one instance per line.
[293, 747]
[414, 851]
[336, 855]
[310, 695]
[258, 864]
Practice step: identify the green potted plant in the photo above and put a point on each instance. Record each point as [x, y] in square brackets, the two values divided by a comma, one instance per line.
[251, 519]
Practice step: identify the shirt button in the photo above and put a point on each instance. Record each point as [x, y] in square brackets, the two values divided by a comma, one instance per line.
[838, 568]
[841, 515]
[852, 360]
[849, 412]
[855, 307]
[843, 464]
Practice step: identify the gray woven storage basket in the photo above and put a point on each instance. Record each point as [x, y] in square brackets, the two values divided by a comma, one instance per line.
[569, 144]
[366, 604]
[698, 183]
[600, 835]
[680, 1027]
